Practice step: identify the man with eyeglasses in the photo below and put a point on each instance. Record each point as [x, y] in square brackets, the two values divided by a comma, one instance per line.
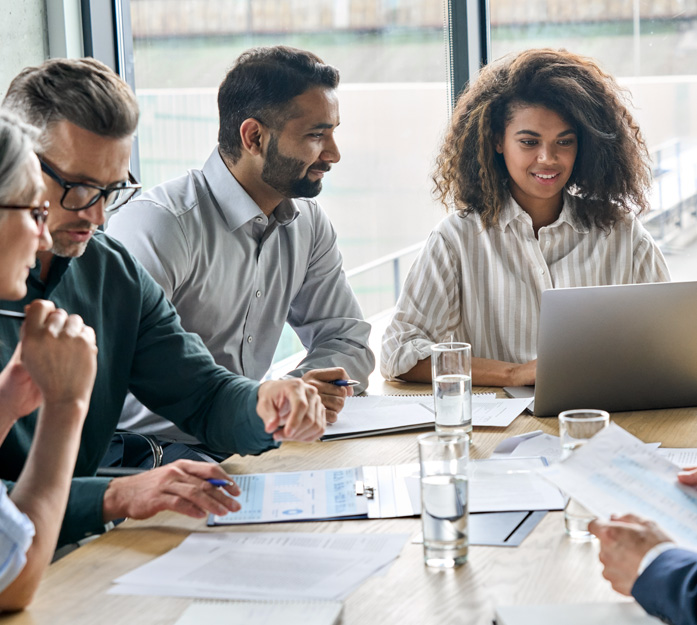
[241, 246]
[88, 117]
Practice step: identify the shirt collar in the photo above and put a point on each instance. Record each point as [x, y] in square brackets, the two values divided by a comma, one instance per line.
[236, 206]
[513, 212]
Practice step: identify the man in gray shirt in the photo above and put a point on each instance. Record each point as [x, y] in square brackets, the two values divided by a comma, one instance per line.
[236, 249]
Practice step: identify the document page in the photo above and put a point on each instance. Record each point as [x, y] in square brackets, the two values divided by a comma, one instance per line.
[375, 414]
[298, 495]
[510, 484]
[684, 458]
[616, 473]
[493, 412]
[261, 613]
[265, 565]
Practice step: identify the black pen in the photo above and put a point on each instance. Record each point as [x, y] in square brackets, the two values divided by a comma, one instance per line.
[11, 314]
[345, 382]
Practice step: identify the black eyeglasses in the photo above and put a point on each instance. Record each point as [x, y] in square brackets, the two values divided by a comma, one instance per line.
[78, 196]
[39, 213]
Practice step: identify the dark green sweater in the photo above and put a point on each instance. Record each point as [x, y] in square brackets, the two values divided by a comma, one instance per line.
[142, 349]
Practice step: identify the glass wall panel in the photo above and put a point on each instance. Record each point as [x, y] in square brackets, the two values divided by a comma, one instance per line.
[650, 46]
[393, 100]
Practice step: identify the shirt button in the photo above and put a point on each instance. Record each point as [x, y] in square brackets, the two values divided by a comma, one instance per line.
[258, 220]
[542, 271]
[249, 339]
[258, 294]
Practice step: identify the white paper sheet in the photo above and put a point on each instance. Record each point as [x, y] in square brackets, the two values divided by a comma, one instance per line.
[381, 412]
[268, 565]
[496, 412]
[615, 473]
[261, 613]
[304, 495]
[376, 414]
[530, 444]
[684, 458]
[510, 484]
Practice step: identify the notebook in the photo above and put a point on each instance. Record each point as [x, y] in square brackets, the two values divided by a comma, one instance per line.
[617, 348]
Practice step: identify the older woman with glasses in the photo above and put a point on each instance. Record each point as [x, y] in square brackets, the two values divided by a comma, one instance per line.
[53, 367]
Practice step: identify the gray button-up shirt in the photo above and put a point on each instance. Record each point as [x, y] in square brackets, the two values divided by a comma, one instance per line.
[235, 276]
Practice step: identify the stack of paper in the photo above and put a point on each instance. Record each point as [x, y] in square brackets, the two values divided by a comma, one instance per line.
[265, 566]
[381, 414]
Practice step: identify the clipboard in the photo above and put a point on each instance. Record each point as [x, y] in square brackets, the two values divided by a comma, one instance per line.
[381, 492]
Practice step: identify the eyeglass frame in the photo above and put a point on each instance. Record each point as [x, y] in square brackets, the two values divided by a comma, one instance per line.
[103, 191]
[38, 213]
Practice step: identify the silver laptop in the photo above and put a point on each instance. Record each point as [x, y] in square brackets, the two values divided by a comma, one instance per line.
[617, 348]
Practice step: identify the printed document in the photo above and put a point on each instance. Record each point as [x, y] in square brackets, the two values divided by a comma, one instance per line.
[261, 613]
[297, 495]
[264, 565]
[381, 414]
[616, 473]
[685, 458]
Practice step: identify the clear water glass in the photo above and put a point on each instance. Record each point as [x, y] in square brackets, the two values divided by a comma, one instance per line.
[576, 428]
[444, 498]
[451, 370]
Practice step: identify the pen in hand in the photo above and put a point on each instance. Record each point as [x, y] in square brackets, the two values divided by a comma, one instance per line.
[11, 314]
[220, 483]
[345, 382]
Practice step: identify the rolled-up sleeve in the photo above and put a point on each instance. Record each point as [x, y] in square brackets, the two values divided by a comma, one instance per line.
[428, 310]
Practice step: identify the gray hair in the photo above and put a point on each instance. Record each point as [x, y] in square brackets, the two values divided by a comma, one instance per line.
[18, 141]
[84, 92]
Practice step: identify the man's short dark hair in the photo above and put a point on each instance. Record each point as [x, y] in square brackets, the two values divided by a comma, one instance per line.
[84, 92]
[260, 84]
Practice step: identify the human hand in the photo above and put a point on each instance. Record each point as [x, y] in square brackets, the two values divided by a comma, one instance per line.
[624, 541]
[19, 395]
[181, 486]
[688, 476]
[294, 406]
[332, 396]
[59, 352]
[525, 374]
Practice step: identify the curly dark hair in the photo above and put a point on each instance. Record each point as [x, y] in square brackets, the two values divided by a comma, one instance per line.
[611, 172]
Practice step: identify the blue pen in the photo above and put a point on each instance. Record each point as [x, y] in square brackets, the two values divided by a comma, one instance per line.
[219, 482]
[345, 382]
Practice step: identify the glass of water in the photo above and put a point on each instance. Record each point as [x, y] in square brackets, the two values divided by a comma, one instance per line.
[451, 369]
[443, 459]
[576, 427]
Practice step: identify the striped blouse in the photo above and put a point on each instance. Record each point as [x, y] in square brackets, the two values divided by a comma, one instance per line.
[484, 287]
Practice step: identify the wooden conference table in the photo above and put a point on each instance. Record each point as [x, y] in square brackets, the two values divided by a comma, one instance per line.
[546, 568]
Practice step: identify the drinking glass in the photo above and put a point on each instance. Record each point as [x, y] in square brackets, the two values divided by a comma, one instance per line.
[576, 427]
[443, 459]
[451, 368]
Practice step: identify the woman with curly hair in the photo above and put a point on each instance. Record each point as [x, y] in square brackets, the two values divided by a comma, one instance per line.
[544, 171]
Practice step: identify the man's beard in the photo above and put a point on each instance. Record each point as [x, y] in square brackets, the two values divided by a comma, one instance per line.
[66, 248]
[283, 173]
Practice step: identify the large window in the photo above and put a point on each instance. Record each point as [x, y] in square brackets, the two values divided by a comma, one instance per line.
[651, 48]
[393, 100]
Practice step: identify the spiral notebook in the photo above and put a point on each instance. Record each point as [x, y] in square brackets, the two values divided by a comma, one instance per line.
[383, 414]
[262, 613]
